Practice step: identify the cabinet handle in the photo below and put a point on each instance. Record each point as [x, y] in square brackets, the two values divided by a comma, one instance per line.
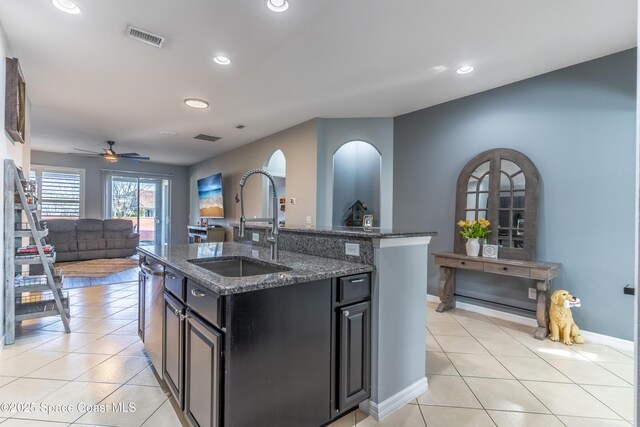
[197, 293]
[184, 316]
[171, 276]
[346, 313]
[177, 312]
[357, 281]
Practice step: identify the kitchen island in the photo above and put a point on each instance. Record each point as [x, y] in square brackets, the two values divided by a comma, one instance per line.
[287, 347]
[301, 344]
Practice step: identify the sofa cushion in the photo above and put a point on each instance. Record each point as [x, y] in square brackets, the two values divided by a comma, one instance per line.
[61, 229]
[91, 245]
[117, 228]
[89, 229]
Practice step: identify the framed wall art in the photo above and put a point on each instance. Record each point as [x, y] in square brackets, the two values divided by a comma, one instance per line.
[15, 101]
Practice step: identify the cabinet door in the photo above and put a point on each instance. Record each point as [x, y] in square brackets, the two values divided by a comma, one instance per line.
[173, 354]
[141, 289]
[202, 373]
[354, 355]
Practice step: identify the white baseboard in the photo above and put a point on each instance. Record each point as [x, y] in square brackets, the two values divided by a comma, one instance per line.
[378, 411]
[590, 336]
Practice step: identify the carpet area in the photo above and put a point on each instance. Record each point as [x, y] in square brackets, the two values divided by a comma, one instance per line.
[95, 268]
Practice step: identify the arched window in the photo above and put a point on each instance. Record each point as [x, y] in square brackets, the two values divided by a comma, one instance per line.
[501, 185]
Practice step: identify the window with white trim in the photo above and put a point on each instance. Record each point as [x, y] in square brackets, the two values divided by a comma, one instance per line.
[60, 191]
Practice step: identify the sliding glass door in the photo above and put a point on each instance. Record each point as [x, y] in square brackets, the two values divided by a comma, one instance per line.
[142, 199]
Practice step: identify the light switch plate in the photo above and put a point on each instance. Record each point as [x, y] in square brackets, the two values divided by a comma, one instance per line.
[292, 200]
[255, 237]
[308, 219]
[352, 249]
[532, 293]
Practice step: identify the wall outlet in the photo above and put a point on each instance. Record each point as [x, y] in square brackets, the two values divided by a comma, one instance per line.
[255, 237]
[309, 220]
[352, 249]
[292, 200]
[533, 294]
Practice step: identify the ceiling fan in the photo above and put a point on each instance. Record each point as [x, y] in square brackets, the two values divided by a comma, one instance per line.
[110, 154]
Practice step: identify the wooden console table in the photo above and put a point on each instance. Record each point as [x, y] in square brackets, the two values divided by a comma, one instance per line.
[542, 272]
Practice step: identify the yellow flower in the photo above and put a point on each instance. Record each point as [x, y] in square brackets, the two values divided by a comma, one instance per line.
[467, 223]
[461, 223]
[473, 222]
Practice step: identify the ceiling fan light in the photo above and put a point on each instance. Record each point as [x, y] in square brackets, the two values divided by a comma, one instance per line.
[66, 6]
[277, 5]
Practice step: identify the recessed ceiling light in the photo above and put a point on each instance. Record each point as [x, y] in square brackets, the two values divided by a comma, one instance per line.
[465, 69]
[221, 60]
[277, 5]
[168, 132]
[200, 104]
[67, 6]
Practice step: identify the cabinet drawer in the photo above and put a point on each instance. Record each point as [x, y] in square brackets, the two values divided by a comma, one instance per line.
[510, 270]
[174, 283]
[463, 263]
[207, 304]
[353, 288]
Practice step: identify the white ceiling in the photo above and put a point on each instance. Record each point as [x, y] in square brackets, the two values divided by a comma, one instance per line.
[88, 82]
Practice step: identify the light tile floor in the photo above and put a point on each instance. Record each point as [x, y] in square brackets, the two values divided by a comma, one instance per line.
[98, 365]
[489, 372]
[482, 372]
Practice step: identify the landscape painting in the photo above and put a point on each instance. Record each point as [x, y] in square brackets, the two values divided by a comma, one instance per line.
[210, 195]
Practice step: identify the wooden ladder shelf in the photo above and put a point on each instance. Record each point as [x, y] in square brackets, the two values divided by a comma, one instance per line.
[37, 304]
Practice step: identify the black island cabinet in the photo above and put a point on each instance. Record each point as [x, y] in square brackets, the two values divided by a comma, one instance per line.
[297, 355]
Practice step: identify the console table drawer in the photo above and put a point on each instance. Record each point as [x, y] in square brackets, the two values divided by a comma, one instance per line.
[511, 270]
[463, 263]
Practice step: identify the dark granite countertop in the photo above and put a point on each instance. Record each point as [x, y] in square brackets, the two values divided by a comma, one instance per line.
[378, 233]
[304, 268]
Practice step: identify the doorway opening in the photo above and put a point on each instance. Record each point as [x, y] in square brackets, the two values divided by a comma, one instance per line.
[145, 201]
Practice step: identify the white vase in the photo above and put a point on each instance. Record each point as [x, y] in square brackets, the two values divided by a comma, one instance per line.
[473, 247]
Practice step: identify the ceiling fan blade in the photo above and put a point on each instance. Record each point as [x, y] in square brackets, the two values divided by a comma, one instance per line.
[86, 151]
[83, 154]
[127, 154]
[135, 157]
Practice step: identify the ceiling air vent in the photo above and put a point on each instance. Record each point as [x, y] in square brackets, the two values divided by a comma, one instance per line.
[145, 36]
[207, 137]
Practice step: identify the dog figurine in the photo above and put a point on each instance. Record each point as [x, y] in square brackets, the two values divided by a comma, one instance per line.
[561, 324]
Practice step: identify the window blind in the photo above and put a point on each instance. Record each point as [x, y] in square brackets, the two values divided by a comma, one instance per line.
[59, 193]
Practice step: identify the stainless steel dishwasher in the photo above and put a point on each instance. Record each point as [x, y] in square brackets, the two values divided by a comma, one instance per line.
[151, 310]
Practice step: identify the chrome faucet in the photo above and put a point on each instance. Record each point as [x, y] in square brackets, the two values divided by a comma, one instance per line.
[273, 237]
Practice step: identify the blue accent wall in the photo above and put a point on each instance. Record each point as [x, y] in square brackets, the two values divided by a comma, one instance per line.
[577, 125]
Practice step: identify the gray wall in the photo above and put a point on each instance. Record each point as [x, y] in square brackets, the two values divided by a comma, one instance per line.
[578, 126]
[94, 189]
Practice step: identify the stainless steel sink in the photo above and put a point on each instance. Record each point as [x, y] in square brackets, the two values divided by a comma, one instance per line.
[238, 266]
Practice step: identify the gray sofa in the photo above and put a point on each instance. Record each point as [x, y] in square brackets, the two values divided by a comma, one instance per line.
[84, 239]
